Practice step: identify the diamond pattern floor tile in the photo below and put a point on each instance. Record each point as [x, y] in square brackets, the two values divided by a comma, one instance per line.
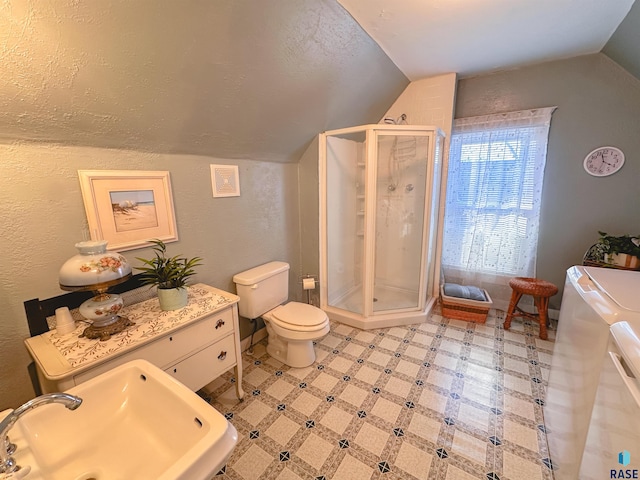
[441, 400]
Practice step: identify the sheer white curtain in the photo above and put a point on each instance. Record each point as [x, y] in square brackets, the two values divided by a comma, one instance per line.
[494, 189]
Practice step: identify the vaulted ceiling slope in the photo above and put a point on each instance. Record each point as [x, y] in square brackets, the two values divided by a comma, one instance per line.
[223, 78]
[259, 79]
[431, 37]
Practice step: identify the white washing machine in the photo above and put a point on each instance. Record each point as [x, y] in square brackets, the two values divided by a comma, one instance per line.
[613, 441]
[593, 299]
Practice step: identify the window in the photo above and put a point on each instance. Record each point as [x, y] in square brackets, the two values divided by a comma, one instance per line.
[494, 188]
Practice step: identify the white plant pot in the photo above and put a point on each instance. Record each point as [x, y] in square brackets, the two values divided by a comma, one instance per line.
[172, 298]
[623, 260]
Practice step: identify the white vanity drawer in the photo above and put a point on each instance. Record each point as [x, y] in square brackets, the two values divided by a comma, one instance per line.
[166, 350]
[223, 322]
[203, 367]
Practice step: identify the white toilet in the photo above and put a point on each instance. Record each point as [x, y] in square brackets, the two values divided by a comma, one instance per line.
[293, 327]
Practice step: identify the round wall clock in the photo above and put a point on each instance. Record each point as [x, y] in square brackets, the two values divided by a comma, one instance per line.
[604, 161]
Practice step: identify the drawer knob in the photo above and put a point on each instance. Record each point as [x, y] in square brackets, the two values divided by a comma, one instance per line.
[222, 355]
[219, 323]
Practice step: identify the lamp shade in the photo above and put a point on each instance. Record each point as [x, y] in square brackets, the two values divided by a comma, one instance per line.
[93, 268]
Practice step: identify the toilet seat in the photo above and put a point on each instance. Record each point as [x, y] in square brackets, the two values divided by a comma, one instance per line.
[299, 317]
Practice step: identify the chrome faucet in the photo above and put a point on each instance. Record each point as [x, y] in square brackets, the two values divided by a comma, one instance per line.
[7, 463]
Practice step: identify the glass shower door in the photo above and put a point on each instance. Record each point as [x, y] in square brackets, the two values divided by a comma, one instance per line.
[400, 206]
[345, 221]
[379, 206]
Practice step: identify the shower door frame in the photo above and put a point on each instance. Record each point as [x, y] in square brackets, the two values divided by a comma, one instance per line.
[370, 319]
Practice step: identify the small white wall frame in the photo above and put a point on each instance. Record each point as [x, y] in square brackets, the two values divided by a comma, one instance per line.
[225, 181]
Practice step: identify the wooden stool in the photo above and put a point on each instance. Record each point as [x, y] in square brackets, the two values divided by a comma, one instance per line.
[540, 290]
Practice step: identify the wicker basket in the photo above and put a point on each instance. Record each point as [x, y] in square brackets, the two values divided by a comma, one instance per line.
[463, 309]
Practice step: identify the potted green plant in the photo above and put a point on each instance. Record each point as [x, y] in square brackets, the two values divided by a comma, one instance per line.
[623, 250]
[169, 274]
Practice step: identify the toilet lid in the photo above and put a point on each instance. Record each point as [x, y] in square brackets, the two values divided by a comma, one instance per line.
[300, 314]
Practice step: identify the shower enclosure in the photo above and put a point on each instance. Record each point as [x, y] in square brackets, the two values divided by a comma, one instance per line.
[379, 208]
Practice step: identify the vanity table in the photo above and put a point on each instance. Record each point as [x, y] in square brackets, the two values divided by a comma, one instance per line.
[195, 344]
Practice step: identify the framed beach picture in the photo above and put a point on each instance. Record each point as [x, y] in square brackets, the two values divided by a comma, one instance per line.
[127, 208]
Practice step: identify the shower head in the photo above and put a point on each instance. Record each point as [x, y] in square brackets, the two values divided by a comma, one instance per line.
[401, 120]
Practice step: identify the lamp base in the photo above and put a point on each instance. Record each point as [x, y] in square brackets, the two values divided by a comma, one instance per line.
[104, 333]
[102, 310]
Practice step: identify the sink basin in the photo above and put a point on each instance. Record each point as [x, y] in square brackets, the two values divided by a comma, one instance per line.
[135, 421]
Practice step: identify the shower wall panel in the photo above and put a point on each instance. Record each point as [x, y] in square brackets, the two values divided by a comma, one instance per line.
[344, 245]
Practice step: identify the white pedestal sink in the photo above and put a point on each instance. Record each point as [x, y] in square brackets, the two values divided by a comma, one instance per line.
[135, 421]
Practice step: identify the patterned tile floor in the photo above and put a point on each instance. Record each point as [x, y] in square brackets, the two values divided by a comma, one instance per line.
[444, 399]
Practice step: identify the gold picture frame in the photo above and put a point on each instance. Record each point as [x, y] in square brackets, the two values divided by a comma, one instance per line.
[127, 208]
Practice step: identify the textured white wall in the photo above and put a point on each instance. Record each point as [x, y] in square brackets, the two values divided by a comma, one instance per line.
[43, 217]
[226, 78]
[428, 101]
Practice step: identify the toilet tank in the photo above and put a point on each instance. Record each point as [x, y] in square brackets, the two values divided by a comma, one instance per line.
[262, 288]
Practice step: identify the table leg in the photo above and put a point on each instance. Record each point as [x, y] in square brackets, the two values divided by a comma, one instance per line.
[238, 371]
[515, 298]
[542, 304]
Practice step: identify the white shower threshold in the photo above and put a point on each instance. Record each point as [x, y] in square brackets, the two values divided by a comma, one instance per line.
[382, 320]
[385, 298]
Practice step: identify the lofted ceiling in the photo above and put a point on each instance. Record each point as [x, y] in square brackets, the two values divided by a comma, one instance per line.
[258, 80]
[431, 37]
[222, 78]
